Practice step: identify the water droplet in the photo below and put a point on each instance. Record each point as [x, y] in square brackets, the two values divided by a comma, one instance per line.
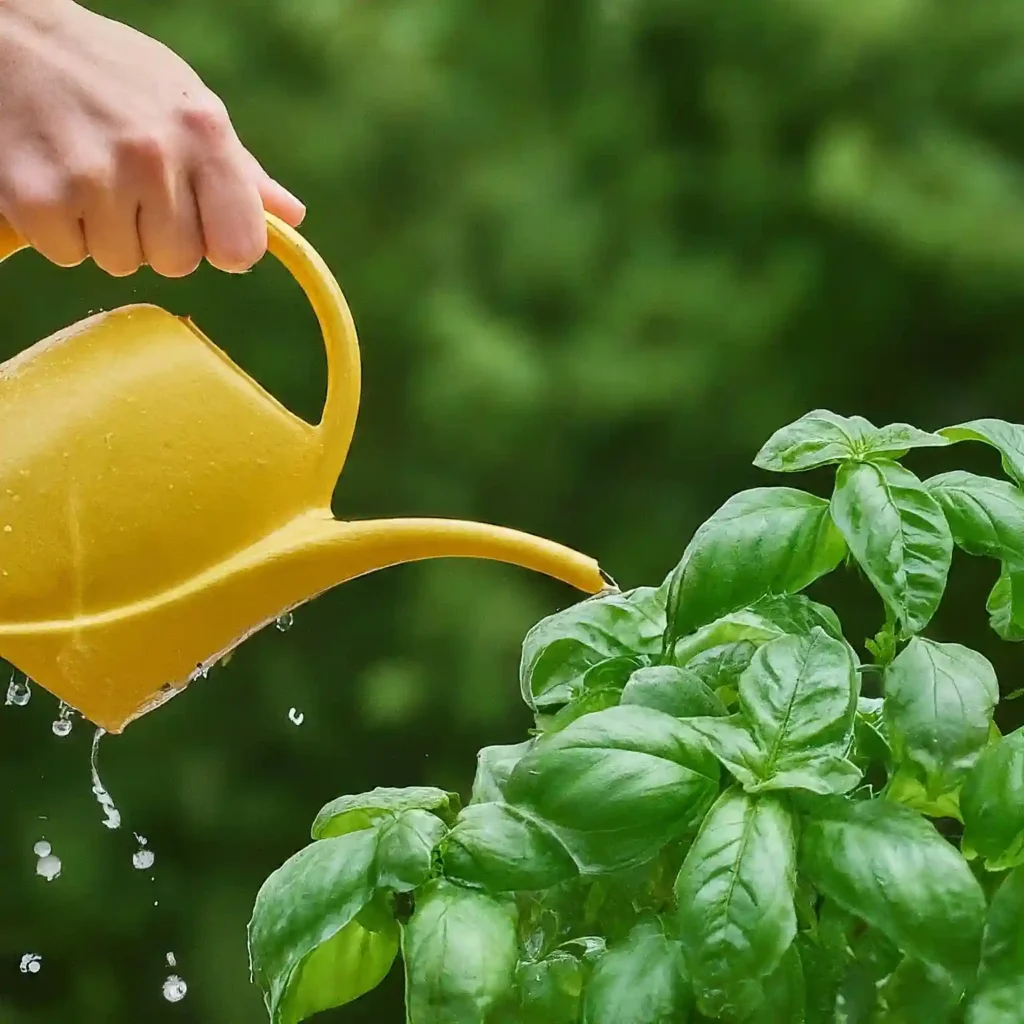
[19, 691]
[295, 717]
[171, 961]
[49, 867]
[62, 724]
[174, 989]
[30, 963]
[113, 815]
[8, 528]
[142, 860]
[42, 848]
[286, 621]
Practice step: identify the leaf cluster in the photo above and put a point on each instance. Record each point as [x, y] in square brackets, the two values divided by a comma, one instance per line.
[712, 820]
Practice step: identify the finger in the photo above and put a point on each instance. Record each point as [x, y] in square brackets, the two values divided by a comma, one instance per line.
[276, 198]
[231, 214]
[170, 234]
[36, 205]
[109, 209]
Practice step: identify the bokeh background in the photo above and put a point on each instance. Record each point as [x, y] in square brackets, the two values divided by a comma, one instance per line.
[597, 251]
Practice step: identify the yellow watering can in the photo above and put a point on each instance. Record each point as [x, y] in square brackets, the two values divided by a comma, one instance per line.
[157, 506]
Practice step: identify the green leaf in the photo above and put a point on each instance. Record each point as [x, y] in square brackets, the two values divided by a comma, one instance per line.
[497, 848]
[640, 981]
[364, 810]
[586, 703]
[335, 880]
[355, 961]
[797, 613]
[460, 951]
[799, 696]
[405, 848]
[992, 804]
[493, 767]
[770, 540]
[821, 437]
[735, 895]
[550, 989]
[939, 701]
[986, 516]
[721, 667]
[562, 648]
[1006, 438]
[890, 867]
[918, 993]
[898, 534]
[1005, 604]
[905, 787]
[798, 701]
[999, 993]
[676, 691]
[617, 785]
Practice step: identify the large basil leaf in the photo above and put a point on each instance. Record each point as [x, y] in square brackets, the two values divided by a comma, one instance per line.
[355, 961]
[999, 994]
[898, 534]
[770, 540]
[460, 951]
[735, 896]
[335, 880]
[986, 516]
[493, 767]
[798, 702]
[890, 867]
[617, 785]
[992, 804]
[780, 998]
[364, 810]
[1006, 438]
[497, 848]
[822, 437]
[640, 981]
[405, 849]
[939, 701]
[676, 691]
[560, 649]
[1005, 604]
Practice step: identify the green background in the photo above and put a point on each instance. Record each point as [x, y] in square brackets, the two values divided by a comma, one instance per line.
[597, 251]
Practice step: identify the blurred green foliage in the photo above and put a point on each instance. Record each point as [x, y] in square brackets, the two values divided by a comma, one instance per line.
[597, 250]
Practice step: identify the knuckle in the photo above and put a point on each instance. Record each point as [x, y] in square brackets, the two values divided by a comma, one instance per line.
[143, 147]
[207, 118]
[87, 177]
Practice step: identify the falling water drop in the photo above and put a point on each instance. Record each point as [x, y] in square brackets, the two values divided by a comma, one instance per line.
[49, 867]
[62, 724]
[113, 815]
[174, 989]
[286, 621]
[296, 717]
[19, 692]
[30, 963]
[171, 960]
[142, 859]
[42, 848]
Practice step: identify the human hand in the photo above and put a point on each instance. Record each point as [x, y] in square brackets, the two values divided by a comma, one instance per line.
[112, 147]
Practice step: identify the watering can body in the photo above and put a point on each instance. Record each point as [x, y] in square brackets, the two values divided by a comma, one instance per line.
[157, 505]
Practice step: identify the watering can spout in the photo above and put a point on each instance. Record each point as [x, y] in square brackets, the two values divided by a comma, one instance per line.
[158, 506]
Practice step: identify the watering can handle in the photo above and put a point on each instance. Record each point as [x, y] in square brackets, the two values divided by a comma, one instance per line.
[343, 371]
